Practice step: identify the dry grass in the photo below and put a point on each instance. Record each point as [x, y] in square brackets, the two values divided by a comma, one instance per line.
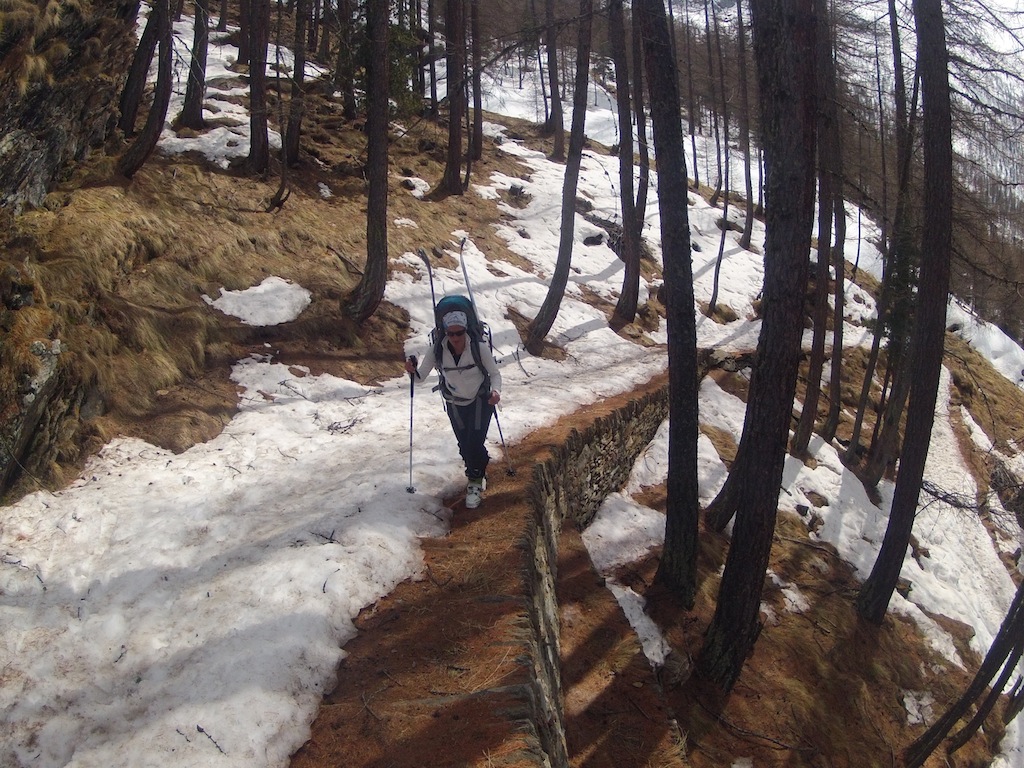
[118, 271]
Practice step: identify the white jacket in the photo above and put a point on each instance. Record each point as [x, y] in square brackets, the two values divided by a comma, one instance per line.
[463, 377]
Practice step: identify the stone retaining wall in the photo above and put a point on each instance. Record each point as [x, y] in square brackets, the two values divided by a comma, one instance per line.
[572, 485]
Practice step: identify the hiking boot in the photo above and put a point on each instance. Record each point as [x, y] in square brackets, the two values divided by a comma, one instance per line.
[474, 492]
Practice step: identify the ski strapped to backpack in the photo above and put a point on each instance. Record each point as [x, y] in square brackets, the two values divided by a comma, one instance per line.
[476, 330]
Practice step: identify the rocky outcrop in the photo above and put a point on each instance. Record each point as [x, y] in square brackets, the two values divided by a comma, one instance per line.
[60, 79]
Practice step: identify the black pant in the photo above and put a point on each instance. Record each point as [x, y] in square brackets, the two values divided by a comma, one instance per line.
[470, 424]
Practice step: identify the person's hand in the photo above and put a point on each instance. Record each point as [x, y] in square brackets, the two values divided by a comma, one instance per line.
[494, 398]
[410, 364]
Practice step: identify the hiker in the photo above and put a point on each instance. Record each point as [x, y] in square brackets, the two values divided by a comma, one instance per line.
[471, 387]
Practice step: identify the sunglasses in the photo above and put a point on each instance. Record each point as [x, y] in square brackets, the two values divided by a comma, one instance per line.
[453, 334]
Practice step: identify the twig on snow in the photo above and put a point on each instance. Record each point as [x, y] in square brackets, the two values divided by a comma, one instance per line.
[212, 740]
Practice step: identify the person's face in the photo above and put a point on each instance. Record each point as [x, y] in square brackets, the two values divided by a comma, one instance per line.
[456, 337]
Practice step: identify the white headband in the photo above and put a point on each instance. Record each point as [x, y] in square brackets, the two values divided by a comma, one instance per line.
[454, 318]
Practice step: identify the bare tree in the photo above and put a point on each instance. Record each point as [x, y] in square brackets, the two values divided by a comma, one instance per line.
[714, 104]
[827, 150]
[195, 91]
[678, 567]
[432, 55]
[136, 155]
[134, 87]
[930, 312]
[259, 147]
[245, 8]
[640, 114]
[902, 257]
[476, 143]
[1005, 651]
[297, 103]
[455, 48]
[366, 296]
[852, 456]
[629, 243]
[783, 37]
[541, 324]
[691, 100]
[744, 126]
[723, 163]
[835, 385]
[345, 69]
[555, 125]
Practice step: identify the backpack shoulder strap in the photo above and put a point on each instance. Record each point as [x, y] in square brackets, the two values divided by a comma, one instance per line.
[475, 343]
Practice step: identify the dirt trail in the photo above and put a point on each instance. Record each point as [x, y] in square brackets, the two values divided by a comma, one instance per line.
[436, 677]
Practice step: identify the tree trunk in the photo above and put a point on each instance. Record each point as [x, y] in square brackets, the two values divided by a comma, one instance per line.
[297, 104]
[930, 313]
[315, 20]
[345, 69]
[678, 567]
[691, 100]
[135, 85]
[1006, 642]
[835, 384]
[641, 131]
[455, 40]
[422, 49]
[137, 154]
[556, 124]
[855, 452]
[885, 442]
[816, 363]
[783, 36]
[245, 9]
[545, 318]
[832, 150]
[432, 32]
[540, 62]
[826, 206]
[629, 244]
[713, 106]
[723, 164]
[744, 128]
[902, 259]
[367, 295]
[477, 141]
[323, 49]
[195, 91]
[259, 147]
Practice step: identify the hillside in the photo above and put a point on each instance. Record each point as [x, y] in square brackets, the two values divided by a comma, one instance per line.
[118, 272]
[132, 261]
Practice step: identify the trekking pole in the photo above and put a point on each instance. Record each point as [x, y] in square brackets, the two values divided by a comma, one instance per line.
[410, 488]
[510, 471]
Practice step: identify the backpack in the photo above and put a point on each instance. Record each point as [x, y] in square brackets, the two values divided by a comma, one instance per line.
[476, 330]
